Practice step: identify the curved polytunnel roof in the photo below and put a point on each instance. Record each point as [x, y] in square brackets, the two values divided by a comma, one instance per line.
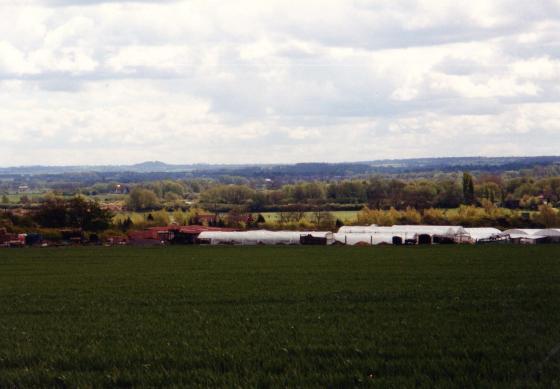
[260, 237]
[404, 230]
[356, 229]
[478, 233]
[522, 231]
[548, 232]
[370, 239]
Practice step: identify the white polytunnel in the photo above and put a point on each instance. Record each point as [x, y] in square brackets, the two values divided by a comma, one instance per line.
[363, 239]
[261, 237]
[481, 233]
[357, 229]
[405, 229]
[429, 230]
[423, 234]
[549, 232]
[375, 235]
[521, 232]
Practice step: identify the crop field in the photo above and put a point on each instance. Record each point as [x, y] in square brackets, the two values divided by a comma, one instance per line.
[461, 316]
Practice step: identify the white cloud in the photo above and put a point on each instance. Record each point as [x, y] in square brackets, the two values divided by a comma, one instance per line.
[276, 81]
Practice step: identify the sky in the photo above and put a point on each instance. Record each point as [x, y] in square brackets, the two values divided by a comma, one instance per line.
[276, 81]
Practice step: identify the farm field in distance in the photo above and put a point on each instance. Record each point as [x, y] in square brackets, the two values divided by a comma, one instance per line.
[345, 216]
[434, 316]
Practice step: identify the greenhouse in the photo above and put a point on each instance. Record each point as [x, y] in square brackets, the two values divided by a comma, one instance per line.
[363, 239]
[261, 237]
[483, 233]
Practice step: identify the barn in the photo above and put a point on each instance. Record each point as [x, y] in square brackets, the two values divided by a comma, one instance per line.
[171, 234]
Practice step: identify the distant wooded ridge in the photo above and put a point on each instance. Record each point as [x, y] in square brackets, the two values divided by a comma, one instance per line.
[315, 169]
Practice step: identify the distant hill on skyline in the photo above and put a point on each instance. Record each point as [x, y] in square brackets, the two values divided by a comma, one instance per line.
[339, 169]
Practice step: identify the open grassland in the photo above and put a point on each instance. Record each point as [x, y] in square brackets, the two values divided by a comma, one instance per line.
[281, 316]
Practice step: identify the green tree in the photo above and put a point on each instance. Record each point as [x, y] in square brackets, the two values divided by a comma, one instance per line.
[227, 194]
[468, 188]
[410, 216]
[339, 223]
[127, 224]
[141, 199]
[420, 194]
[489, 191]
[260, 219]
[449, 194]
[74, 213]
[376, 192]
[547, 217]
[88, 215]
[324, 220]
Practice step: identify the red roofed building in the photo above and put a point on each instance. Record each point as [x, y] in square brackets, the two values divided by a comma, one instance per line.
[170, 234]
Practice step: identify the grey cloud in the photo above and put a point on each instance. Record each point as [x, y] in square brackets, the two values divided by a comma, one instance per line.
[324, 88]
[460, 66]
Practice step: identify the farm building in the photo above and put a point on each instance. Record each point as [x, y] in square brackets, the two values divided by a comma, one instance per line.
[421, 234]
[534, 236]
[525, 235]
[521, 232]
[431, 234]
[426, 234]
[478, 234]
[11, 240]
[552, 235]
[549, 232]
[261, 237]
[150, 236]
[170, 234]
[190, 234]
[358, 229]
[117, 240]
[363, 239]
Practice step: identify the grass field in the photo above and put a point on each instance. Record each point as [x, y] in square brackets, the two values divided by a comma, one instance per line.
[138, 217]
[345, 216]
[461, 316]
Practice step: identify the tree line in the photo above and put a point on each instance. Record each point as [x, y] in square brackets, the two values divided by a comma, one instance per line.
[526, 193]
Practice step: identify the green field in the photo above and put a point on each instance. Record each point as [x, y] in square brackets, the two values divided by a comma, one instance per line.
[460, 316]
[344, 216]
[138, 217]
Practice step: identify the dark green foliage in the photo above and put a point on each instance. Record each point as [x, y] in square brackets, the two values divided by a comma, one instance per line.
[468, 188]
[24, 199]
[445, 191]
[125, 225]
[76, 212]
[480, 316]
[142, 199]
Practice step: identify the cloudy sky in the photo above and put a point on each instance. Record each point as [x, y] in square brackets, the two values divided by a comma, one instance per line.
[107, 82]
